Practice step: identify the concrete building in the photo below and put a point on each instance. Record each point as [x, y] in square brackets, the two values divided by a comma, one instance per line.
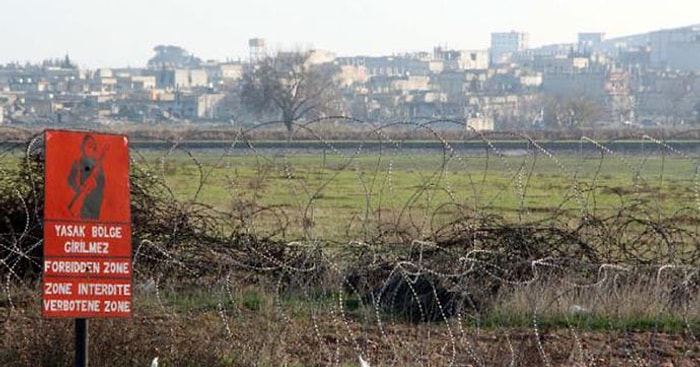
[505, 44]
[502, 108]
[619, 99]
[388, 66]
[676, 48]
[396, 66]
[636, 56]
[601, 84]
[565, 65]
[531, 81]
[589, 42]
[419, 104]
[318, 57]
[104, 73]
[198, 106]
[462, 59]
[589, 85]
[136, 83]
[351, 74]
[145, 82]
[455, 84]
[480, 123]
[104, 85]
[231, 71]
[223, 74]
[39, 105]
[668, 97]
[398, 84]
[181, 79]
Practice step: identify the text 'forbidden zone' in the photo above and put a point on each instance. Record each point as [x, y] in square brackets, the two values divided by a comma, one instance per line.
[87, 231]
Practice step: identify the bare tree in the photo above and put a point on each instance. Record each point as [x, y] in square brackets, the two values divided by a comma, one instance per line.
[291, 85]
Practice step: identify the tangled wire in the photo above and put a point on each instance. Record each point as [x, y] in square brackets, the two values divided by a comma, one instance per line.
[462, 268]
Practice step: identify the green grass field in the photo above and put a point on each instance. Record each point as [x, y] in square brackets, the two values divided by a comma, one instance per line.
[334, 194]
[346, 195]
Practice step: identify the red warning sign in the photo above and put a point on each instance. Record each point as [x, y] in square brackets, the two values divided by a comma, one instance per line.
[87, 226]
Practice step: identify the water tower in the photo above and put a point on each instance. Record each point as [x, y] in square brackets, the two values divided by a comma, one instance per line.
[257, 49]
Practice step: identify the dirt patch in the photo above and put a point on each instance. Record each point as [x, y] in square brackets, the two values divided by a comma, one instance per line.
[238, 337]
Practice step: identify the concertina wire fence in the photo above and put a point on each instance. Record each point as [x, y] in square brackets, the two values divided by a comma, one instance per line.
[461, 248]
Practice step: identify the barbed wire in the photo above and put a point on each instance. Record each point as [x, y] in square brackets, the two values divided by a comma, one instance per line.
[462, 248]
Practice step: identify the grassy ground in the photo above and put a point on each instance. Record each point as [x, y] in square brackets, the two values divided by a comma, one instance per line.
[297, 301]
[336, 195]
[248, 326]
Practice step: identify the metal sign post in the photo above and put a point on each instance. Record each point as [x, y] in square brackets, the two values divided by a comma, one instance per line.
[87, 230]
[81, 342]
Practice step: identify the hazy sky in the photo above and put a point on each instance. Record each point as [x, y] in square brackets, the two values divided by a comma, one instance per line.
[123, 32]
